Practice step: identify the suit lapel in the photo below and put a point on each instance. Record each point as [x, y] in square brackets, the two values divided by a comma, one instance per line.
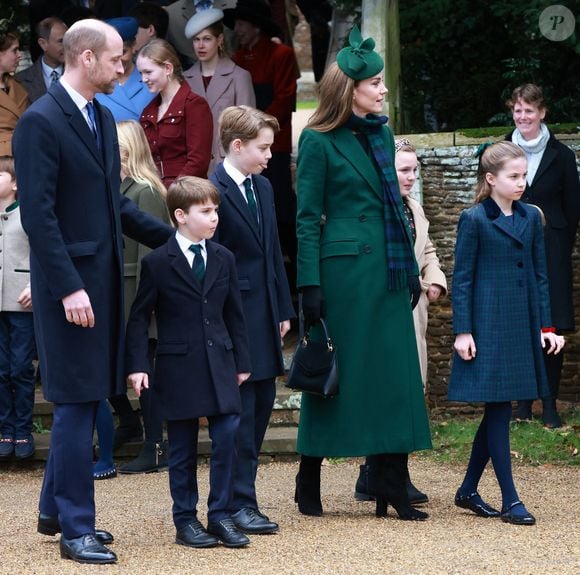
[213, 267]
[219, 82]
[181, 266]
[548, 157]
[346, 144]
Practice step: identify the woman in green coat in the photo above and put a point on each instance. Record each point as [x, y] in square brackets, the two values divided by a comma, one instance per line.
[358, 271]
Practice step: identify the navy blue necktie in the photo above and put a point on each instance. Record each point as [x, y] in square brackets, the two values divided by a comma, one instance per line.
[94, 128]
[251, 198]
[198, 266]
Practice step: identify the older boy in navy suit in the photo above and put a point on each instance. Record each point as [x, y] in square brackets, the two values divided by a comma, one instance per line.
[248, 228]
[202, 356]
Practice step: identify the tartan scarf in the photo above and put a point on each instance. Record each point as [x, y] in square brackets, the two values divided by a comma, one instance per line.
[401, 261]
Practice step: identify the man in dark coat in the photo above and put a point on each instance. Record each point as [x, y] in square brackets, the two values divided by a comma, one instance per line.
[68, 166]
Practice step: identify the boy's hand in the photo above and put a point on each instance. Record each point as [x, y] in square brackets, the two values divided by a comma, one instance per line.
[556, 342]
[78, 309]
[25, 298]
[242, 377]
[139, 381]
[284, 329]
[465, 346]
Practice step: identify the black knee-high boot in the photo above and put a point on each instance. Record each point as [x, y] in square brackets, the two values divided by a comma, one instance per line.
[387, 482]
[307, 493]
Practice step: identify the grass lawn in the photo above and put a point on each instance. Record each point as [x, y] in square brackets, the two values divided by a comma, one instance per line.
[531, 443]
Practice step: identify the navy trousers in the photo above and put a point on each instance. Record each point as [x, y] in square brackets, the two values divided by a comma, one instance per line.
[68, 488]
[182, 438]
[257, 402]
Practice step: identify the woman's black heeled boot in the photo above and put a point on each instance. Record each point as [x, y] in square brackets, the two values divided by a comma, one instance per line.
[307, 493]
[376, 483]
[395, 474]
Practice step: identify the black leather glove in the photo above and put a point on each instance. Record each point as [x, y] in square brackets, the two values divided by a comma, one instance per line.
[414, 290]
[312, 305]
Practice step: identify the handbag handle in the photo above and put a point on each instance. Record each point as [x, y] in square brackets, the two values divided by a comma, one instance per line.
[306, 336]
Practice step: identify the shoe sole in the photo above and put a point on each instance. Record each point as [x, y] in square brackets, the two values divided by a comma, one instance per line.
[126, 472]
[65, 555]
[258, 532]
[46, 530]
[206, 546]
[360, 496]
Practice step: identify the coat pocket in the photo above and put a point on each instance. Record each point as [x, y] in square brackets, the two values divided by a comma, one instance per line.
[80, 249]
[348, 247]
[172, 348]
[228, 344]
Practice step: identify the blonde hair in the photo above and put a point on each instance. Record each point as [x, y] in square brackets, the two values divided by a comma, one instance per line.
[335, 95]
[187, 191]
[243, 123]
[491, 162]
[136, 158]
[160, 51]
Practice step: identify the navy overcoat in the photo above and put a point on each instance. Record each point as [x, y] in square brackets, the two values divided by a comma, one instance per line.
[265, 293]
[75, 218]
[500, 296]
[202, 340]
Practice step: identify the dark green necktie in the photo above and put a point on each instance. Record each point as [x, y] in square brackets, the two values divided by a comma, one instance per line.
[251, 198]
[198, 266]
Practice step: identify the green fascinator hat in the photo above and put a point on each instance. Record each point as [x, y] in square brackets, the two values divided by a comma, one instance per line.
[359, 60]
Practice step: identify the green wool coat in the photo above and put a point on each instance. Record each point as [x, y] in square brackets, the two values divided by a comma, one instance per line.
[381, 406]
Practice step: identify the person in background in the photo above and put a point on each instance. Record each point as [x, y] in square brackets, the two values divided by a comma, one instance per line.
[358, 272]
[501, 320]
[13, 96]
[215, 76]
[153, 21]
[551, 184]
[178, 123]
[130, 95]
[50, 66]
[17, 348]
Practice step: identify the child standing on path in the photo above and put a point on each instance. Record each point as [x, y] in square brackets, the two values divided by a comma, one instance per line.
[248, 228]
[202, 357]
[16, 326]
[501, 319]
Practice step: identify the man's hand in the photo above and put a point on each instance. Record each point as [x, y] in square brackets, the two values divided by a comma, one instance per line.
[78, 309]
[284, 329]
[25, 298]
[243, 377]
[139, 381]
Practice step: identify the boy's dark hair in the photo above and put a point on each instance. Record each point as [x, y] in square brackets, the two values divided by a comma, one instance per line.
[188, 191]
[244, 123]
[148, 13]
[7, 165]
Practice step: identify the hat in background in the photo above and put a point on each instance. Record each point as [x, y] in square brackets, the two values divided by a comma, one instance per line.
[257, 12]
[201, 20]
[126, 26]
[359, 60]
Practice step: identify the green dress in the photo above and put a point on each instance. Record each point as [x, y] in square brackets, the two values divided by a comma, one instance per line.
[380, 407]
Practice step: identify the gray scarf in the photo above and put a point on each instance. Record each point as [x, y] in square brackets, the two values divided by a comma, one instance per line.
[534, 149]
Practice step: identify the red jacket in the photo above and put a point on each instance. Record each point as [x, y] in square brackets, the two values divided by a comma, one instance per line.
[181, 140]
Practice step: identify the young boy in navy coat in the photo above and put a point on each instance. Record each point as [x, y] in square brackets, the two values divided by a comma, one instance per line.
[248, 228]
[202, 356]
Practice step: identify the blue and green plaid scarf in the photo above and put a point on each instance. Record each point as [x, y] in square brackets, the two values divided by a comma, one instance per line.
[401, 261]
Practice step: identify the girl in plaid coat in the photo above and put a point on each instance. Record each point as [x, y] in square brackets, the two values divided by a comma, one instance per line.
[500, 305]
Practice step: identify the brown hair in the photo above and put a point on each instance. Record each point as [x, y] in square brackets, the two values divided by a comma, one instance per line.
[7, 39]
[491, 162]
[530, 94]
[216, 29]
[84, 35]
[7, 165]
[160, 51]
[44, 27]
[188, 191]
[403, 145]
[244, 123]
[335, 95]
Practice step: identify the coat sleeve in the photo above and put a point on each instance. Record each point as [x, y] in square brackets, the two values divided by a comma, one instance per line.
[198, 136]
[541, 271]
[310, 190]
[142, 227]
[137, 337]
[466, 249]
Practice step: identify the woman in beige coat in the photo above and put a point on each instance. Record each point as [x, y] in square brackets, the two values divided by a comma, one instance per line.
[13, 97]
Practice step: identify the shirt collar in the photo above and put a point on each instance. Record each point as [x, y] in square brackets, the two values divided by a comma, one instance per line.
[79, 100]
[234, 173]
[184, 242]
[47, 70]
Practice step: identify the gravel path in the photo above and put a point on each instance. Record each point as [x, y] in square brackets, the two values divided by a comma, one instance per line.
[348, 539]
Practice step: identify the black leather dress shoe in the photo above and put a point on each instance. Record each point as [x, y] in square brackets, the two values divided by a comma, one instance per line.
[195, 535]
[227, 533]
[48, 525]
[482, 509]
[253, 522]
[508, 516]
[86, 549]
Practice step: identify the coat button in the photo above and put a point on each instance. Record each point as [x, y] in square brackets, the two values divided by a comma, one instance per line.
[367, 249]
[206, 321]
[4, 217]
[362, 218]
[520, 264]
[209, 342]
[204, 300]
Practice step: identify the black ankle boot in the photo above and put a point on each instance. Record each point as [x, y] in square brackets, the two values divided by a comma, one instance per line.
[416, 497]
[376, 483]
[129, 429]
[523, 411]
[361, 489]
[152, 457]
[307, 493]
[395, 471]
[550, 415]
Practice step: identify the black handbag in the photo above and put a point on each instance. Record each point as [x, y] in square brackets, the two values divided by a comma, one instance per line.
[314, 368]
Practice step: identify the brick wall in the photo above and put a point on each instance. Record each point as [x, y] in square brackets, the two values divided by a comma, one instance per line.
[448, 177]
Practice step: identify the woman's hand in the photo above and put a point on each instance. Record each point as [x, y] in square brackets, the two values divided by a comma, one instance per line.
[433, 293]
[312, 304]
[554, 341]
[465, 346]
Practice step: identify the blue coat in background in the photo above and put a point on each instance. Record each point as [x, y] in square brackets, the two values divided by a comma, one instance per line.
[500, 296]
